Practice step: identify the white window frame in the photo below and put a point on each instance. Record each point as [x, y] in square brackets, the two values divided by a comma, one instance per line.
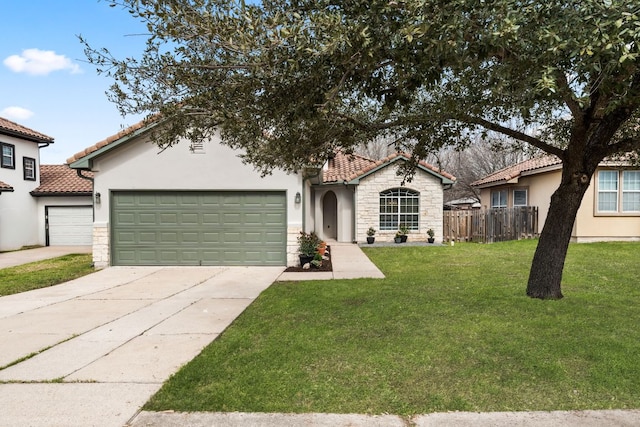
[501, 203]
[526, 197]
[620, 191]
[29, 173]
[399, 206]
[11, 157]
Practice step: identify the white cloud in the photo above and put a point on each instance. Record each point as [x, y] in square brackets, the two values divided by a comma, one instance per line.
[16, 113]
[40, 62]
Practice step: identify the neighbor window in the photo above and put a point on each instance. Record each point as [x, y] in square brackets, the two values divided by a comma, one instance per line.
[29, 168]
[8, 156]
[398, 207]
[618, 191]
[520, 197]
[631, 191]
[499, 199]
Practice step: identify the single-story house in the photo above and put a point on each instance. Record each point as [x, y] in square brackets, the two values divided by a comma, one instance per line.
[203, 206]
[35, 198]
[610, 209]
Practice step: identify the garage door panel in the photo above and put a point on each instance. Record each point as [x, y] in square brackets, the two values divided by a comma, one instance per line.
[69, 225]
[199, 228]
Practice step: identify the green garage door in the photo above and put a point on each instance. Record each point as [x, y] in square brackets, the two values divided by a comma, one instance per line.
[198, 228]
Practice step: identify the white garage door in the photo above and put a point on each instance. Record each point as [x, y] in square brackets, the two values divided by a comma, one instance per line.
[69, 225]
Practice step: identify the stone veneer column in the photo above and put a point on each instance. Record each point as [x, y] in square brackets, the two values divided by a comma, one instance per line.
[292, 246]
[101, 258]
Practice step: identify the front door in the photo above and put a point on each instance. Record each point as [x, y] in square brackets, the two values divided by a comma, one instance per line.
[330, 215]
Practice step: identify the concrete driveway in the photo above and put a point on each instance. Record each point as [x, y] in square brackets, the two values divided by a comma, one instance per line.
[92, 351]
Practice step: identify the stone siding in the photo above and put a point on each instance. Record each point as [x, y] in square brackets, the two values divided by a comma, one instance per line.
[292, 246]
[101, 256]
[368, 204]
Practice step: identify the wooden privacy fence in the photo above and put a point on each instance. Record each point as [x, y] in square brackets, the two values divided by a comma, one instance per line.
[491, 225]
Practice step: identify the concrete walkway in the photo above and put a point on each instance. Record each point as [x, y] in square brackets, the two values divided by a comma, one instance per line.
[10, 259]
[348, 261]
[92, 351]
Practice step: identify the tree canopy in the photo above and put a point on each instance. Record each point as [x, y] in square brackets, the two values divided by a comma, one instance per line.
[290, 81]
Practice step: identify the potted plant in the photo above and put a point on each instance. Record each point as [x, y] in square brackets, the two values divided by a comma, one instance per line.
[404, 230]
[431, 233]
[322, 248]
[398, 238]
[307, 246]
[371, 232]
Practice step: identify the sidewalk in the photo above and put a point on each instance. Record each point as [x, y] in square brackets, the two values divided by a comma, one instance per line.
[619, 418]
[10, 259]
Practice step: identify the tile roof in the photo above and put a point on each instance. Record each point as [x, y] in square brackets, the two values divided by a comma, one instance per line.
[109, 140]
[345, 167]
[60, 180]
[5, 187]
[515, 171]
[12, 128]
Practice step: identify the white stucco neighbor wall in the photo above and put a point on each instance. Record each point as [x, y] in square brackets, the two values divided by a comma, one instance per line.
[139, 165]
[18, 209]
[368, 204]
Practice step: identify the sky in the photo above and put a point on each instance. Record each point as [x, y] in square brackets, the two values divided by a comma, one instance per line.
[46, 83]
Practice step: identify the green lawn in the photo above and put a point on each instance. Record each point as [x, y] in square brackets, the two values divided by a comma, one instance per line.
[450, 328]
[45, 273]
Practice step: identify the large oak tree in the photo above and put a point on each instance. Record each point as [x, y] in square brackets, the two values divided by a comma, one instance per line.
[290, 81]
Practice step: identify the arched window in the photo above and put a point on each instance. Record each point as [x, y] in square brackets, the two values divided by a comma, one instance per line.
[399, 206]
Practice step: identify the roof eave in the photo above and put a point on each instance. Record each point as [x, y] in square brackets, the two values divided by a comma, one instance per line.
[60, 194]
[444, 180]
[31, 138]
[86, 162]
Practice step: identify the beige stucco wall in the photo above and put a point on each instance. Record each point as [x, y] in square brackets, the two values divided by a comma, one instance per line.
[18, 209]
[368, 204]
[589, 226]
[139, 165]
[539, 187]
[592, 227]
[344, 198]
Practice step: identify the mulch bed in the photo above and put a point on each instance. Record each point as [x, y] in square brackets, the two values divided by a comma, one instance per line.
[326, 265]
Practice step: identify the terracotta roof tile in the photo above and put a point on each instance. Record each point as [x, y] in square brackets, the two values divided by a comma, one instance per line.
[343, 166]
[349, 167]
[62, 180]
[5, 187]
[518, 169]
[7, 126]
[109, 140]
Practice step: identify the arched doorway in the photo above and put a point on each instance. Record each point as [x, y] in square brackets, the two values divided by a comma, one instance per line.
[330, 215]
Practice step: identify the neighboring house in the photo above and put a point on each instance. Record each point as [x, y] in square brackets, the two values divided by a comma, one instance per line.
[19, 165]
[462, 204]
[65, 206]
[204, 206]
[29, 191]
[610, 209]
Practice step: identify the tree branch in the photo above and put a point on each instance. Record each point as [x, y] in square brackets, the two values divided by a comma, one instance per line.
[520, 136]
[569, 99]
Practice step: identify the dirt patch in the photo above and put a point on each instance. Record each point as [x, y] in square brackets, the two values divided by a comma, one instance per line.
[326, 265]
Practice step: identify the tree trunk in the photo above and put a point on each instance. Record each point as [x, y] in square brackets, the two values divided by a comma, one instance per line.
[548, 262]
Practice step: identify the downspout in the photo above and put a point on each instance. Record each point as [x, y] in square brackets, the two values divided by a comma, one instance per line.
[88, 178]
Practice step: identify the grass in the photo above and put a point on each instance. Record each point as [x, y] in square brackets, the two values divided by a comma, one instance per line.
[449, 329]
[45, 273]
